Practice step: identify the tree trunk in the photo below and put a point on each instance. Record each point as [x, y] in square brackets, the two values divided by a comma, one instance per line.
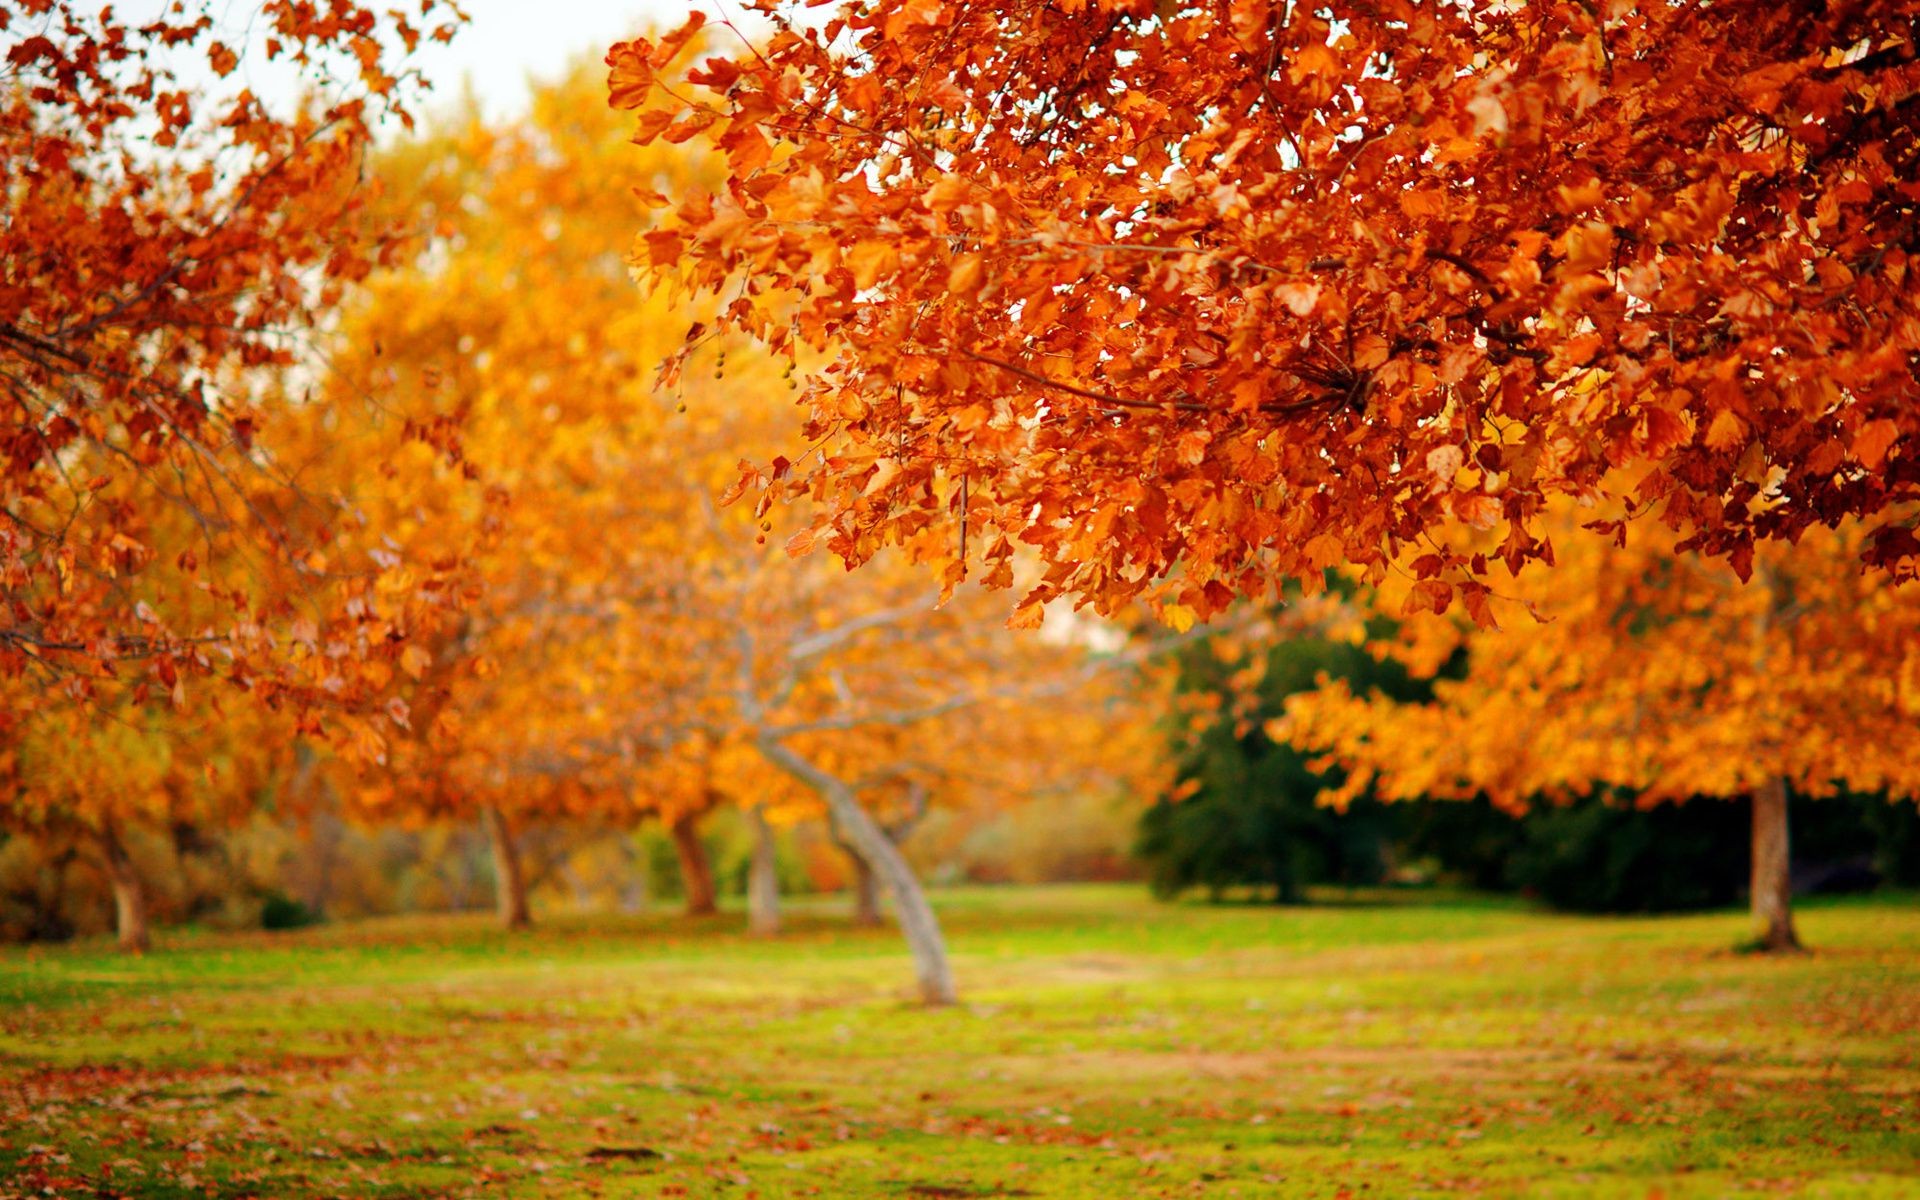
[866, 895]
[910, 906]
[129, 894]
[763, 877]
[696, 873]
[510, 883]
[866, 886]
[1772, 881]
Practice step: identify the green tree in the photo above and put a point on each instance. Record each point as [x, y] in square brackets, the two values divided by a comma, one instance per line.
[1242, 812]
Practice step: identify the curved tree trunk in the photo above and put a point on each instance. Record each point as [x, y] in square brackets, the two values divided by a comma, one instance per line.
[696, 873]
[866, 886]
[1772, 880]
[763, 877]
[917, 922]
[129, 894]
[510, 882]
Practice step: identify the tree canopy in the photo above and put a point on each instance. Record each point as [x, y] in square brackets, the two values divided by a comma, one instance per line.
[1194, 299]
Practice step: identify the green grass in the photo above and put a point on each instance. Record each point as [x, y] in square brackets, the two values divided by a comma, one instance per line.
[1108, 1047]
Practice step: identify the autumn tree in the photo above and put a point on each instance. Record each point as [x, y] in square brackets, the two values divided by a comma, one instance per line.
[635, 645]
[1192, 300]
[169, 236]
[108, 776]
[1646, 671]
[864, 688]
[521, 438]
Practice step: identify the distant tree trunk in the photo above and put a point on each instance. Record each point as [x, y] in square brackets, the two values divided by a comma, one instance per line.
[917, 922]
[763, 877]
[866, 894]
[129, 894]
[510, 883]
[866, 886]
[1772, 881]
[696, 873]
[636, 885]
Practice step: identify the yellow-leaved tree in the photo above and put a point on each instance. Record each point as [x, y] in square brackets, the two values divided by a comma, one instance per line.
[1655, 673]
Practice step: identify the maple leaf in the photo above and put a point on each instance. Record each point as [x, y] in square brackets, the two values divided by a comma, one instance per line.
[630, 73]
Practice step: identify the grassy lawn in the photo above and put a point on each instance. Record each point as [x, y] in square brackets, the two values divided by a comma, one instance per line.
[1109, 1046]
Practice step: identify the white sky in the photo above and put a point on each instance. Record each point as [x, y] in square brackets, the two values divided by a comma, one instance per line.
[504, 44]
[508, 42]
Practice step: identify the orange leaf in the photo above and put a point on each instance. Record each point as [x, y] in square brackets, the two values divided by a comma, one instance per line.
[1871, 444]
[1323, 552]
[630, 77]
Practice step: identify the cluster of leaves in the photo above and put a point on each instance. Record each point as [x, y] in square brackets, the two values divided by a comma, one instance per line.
[1193, 299]
[1658, 675]
[163, 245]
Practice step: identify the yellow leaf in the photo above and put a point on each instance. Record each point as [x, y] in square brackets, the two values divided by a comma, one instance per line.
[1726, 431]
[1027, 616]
[885, 471]
[414, 661]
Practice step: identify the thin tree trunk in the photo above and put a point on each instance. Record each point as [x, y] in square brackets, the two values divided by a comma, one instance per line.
[129, 893]
[636, 887]
[866, 894]
[510, 883]
[866, 886]
[1772, 881]
[696, 873]
[763, 877]
[917, 922]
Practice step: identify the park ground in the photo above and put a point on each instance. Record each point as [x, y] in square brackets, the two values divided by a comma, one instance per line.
[1108, 1046]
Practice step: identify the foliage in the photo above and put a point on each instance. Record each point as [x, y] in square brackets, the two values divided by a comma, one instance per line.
[1244, 809]
[1195, 300]
[168, 244]
[1593, 856]
[281, 911]
[1115, 1046]
[1650, 671]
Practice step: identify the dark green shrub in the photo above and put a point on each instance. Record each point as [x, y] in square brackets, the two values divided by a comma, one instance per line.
[280, 911]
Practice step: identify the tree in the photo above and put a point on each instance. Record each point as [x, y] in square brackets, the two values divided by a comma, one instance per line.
[1193, 300]
[171, 241]
[1654, 672]
[1242, 809]
[632, 647]
[844, 689]
[541, 701]
[104, 776]
[168, 239]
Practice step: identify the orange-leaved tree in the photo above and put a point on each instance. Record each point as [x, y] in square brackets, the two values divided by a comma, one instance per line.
[1240, 288]
[245, 654]
[169, 234]
[636, 646]
[1655, 674]
[511, 334]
